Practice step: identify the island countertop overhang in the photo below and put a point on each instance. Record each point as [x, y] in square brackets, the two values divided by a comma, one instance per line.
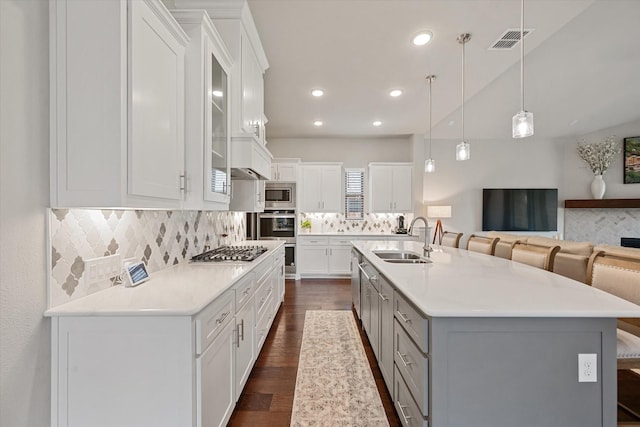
[460, 283]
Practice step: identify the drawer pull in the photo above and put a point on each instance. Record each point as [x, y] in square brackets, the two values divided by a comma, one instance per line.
[404, 318]
[383, 297]
[220, 319]
[402, 408]
[405, 362]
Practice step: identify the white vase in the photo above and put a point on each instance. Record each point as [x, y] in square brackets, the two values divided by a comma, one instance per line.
[598, 187]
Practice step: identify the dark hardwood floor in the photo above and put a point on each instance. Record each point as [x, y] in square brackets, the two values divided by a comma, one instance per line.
[267, 398]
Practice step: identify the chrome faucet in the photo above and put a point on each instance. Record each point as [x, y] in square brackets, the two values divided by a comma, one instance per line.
[426, 249]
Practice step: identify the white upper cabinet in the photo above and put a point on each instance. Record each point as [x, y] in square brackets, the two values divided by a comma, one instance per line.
[247, 195]
[321, 187]
[233, 20]
[208, 65]
[284, 170]
[117, 104]
[390, 187]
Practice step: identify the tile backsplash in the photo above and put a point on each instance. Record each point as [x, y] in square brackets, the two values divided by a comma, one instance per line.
[384, 223]
[159, 238]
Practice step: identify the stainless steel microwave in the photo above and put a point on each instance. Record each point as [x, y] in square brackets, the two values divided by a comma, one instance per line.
[280, 196]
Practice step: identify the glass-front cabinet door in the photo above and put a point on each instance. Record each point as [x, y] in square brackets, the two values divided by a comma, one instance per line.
[217, 162]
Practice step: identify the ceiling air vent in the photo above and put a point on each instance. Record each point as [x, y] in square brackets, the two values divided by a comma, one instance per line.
[509, 39]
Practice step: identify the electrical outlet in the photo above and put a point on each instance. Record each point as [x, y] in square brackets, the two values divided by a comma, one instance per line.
[587, 368]
[102, 268]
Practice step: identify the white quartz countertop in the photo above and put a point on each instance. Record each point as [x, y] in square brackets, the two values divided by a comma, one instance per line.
[181, 290]
[461, 283]
[355, 235]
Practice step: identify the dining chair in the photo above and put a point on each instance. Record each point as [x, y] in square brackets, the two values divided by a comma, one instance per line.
[482, 244]
[616, 270]
[535, 255]
[451, 239]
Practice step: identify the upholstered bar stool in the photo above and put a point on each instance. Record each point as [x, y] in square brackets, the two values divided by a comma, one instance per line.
[535, 255]
[451, 239]
[506, 243]
[616, 270]
[572, 259]
[482, 244]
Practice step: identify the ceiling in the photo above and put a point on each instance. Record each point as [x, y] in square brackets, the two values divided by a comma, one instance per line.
[581, 66]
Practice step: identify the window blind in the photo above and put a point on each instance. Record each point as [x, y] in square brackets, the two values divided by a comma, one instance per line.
[354, 193]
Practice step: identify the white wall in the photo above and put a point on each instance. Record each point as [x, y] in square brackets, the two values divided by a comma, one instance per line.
[528, 163]
[24, 196]
[578, 177]
[353, 152]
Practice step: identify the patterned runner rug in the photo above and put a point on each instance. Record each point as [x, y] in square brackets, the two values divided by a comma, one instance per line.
[334, 386]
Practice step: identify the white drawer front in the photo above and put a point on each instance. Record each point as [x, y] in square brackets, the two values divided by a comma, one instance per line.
[340, 241]
[244, 290]
[413, 322]
[264, 321]
[313, 240]
[212, 319]
[414, 367]
[263, 297]
[408, 411]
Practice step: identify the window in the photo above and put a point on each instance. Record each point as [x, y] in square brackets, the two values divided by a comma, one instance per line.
[354, 194]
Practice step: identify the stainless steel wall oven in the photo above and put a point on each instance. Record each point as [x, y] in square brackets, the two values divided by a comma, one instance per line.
[276, 225]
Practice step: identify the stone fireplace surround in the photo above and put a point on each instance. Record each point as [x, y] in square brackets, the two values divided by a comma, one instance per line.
[602, 221]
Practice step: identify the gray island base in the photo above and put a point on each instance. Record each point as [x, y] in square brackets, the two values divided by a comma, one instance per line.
[471, 340]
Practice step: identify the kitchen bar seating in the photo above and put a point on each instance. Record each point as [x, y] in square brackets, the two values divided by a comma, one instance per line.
[535, 255]
[482, 244]
[451, 239]
[616, 270]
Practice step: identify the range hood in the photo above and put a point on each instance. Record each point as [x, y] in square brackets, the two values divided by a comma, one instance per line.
[249, 159]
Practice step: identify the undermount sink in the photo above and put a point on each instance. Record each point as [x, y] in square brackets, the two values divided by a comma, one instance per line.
[407, 261]
[400, 257]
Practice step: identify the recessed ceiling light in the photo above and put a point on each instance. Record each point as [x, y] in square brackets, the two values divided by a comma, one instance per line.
[317, 92]
[317, 123]
[377, 123]
[217, 93]
[422, 38]
[395, 92]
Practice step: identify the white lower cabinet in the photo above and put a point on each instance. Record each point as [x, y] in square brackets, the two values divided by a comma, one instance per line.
[215, 380]
[324, 256]
[163, 371]
[245, 344]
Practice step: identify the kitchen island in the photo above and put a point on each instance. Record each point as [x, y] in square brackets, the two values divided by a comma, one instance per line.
[480, 341]
[176, 350]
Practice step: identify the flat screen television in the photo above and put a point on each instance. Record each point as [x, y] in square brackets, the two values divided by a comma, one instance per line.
[520, 209]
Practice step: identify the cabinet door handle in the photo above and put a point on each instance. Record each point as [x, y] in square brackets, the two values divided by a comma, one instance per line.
[241, 336]
[238, 336]
[403, 317]
[402, 408]
[383, 297]
[405, 362]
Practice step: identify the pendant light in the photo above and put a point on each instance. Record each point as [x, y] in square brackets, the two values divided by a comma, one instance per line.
[463, 150]
[430, 164]
[522, 122]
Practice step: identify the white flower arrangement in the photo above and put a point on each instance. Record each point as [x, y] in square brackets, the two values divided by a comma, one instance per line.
[598, 155]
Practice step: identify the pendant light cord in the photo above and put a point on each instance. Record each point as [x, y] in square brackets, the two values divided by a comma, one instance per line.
[522, 56]
[430, 78]
[463, 43]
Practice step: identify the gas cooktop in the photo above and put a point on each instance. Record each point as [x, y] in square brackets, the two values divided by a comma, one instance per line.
[230, 253]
